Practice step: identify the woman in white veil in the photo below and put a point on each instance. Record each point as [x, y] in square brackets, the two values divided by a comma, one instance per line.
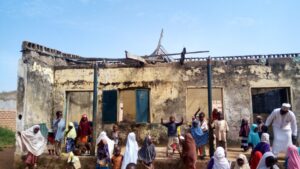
[111, 143]
[33, 142]
[131, 151]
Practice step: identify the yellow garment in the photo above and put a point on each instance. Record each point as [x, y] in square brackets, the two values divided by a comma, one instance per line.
[178, 130]
[72, 133]
[75, 160]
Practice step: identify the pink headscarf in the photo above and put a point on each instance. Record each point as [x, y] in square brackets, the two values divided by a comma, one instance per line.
[293, 157]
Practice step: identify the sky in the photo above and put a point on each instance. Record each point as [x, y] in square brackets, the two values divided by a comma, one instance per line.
[106, 28]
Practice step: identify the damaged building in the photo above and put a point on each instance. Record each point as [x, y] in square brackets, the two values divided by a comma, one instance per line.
[137, 93]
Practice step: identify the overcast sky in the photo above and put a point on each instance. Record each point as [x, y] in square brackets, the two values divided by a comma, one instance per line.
[106, 28]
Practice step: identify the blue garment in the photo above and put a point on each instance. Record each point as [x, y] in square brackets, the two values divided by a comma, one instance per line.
[172, 128]
[99, 167]
[198, 135]
[59, 129]
[70, 145]
[253, 137]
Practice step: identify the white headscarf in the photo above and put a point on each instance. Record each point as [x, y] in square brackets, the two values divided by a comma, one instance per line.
[131, 151]
[220, 161]
[265, 137]
[110, 143]
[262, 162]
[32, 142]
[246, 164]
[75, 160]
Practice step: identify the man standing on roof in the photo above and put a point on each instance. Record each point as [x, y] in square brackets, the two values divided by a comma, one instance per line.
[284, 128]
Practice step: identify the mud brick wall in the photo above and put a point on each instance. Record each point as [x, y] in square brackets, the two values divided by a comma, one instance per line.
[8, 120]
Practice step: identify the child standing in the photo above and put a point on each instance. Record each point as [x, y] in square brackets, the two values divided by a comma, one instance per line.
[131, 151]
[115, 135]
[260, 124]
[244, 132]
[147, 153]
[253, 138]
[51, 142]
[172, 132]
[117, 159]
[71, 136]
[103, 157]
[197, 134]
[221, 128]
[204, 127]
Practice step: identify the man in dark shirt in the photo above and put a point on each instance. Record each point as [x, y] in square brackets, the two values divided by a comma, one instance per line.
[172, 133]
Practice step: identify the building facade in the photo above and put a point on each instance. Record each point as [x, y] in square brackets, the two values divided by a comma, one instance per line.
[137, 95]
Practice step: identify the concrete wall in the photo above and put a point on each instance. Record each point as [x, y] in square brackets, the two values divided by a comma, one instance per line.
[8, 109]
[45, 78]
[35, 86]
[8, 100]
[168, 84]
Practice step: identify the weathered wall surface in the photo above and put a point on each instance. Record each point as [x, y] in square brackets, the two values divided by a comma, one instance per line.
[8, 109]
[44, 80]
[168, 84]
[35, 81]
[8, 100]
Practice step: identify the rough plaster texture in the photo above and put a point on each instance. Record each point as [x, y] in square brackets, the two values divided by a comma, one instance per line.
[8, 100]
[44, 80]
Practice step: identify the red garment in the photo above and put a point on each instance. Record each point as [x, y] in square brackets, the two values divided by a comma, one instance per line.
[31, 159]
[84, 127]
[255, 158]
[189, 152]
[215, 115]
[51, 139]
[245, 129]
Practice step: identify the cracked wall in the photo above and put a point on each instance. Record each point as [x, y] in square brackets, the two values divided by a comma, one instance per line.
[168, 84]
[44, 80]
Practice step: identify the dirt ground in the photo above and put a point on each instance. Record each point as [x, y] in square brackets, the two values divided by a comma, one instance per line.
[7, 158]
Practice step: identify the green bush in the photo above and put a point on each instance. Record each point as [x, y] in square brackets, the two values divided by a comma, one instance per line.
[7, 138]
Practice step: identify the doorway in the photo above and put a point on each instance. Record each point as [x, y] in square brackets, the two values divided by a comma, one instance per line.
[198, 98]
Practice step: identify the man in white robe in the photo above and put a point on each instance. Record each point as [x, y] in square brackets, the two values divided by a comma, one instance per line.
[284, 128]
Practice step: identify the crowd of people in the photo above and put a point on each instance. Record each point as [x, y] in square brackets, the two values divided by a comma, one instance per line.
[190, 144]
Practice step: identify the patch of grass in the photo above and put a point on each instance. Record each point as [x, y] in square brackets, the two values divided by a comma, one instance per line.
[7, 138]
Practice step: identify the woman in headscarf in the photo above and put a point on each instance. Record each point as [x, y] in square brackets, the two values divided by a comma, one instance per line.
[71, 136]
[33, 142]
[264, 145]
[58, 126]
[244, 132]
[253, 138]
[147, 153]
[103, 156]
[218, 161]
[198, 135]
[292, 158]
[241, 162]
[131, 151]
[189, 155]
[268, 161]
[110, 143]
[84, 129]
[259, 150]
